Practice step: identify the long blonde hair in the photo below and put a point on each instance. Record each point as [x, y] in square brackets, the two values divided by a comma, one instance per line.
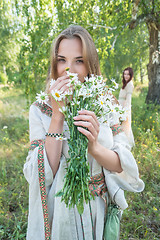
[88, 49]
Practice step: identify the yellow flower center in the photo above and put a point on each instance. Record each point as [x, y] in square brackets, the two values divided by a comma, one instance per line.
[101, 103]
[57, 95]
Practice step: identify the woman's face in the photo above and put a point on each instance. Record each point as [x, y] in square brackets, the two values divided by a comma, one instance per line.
[70, 55]
[126, 75]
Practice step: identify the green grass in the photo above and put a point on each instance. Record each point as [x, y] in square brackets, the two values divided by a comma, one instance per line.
[13, 151]
[141, 220]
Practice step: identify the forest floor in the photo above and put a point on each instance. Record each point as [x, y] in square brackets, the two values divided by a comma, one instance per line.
[141, 220]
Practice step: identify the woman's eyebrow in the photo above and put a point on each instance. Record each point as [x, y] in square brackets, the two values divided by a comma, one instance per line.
[79, 57]
[60, 56]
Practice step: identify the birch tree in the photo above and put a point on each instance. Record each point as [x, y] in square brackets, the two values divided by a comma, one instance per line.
[149, 12]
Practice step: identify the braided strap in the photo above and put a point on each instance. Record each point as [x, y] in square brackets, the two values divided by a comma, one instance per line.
[35, 144]
[41, 175]
[116, 129]
[44, 108]
[97, 185]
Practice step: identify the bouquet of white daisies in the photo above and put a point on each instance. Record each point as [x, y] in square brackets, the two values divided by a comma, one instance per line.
[92, 95]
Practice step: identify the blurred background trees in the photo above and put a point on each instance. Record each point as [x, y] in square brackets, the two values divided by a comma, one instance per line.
[125, 33]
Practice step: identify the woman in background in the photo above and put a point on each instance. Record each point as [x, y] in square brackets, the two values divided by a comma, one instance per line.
[125, 97]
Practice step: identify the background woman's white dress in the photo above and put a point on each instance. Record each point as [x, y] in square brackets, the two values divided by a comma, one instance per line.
[125, 99]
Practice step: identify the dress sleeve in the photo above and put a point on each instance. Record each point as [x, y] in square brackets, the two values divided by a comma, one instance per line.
[37, 132]
[127, 104]
[128, 179]
[129, 91]
[36, 128]
[130, 87]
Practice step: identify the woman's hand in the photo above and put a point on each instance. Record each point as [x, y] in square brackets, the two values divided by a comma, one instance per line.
[87, 119]
[60, 85]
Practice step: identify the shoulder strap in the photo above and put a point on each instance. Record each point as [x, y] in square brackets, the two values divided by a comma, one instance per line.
[116, 129]
[44, 108]
[41, 174]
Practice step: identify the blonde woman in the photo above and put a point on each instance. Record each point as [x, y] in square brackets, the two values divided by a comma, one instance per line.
[109, 154]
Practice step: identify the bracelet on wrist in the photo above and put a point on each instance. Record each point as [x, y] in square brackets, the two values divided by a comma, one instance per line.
[54, 135]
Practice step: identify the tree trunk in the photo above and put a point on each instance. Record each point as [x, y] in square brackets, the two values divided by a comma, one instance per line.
[153, 67]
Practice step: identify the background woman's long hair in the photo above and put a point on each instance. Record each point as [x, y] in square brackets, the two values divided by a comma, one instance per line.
[131, 76]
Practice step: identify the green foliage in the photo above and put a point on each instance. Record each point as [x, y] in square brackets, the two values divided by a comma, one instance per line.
[39, 32]
[142, 216]
[29, 28]
[9, 36]
[13, 151]
[150, 7]
[3, 78]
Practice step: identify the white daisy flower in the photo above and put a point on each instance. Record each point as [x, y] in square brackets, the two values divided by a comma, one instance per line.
[68, 84]
[81, 92]
[42, 97]
[92, 79]
[63, 109]
[68, 92]
[73, 78]
[109, 97]
[88, 93]
[5, 127]
[112, 108]
[115, 85]
[86, 79]
[61, 138]
[72, 75]
[57, 95]
[101, 100]
[100, 78]
[52, 82]
[123, 116]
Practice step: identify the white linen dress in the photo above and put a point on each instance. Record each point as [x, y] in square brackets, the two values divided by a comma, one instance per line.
[125, 99]
[67, 224]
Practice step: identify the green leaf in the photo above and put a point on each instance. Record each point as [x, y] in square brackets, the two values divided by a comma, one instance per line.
[59, 194]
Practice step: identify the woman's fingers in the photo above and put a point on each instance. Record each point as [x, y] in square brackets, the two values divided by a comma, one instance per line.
[87, 119]
[88, 134]
[87, 125]
[87, 116]
[60, 83]
[89, 113]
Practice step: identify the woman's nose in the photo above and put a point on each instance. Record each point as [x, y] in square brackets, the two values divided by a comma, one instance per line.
[70, 66]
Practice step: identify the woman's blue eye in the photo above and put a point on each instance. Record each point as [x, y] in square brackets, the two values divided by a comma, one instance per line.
[61, 60]
[80, 61]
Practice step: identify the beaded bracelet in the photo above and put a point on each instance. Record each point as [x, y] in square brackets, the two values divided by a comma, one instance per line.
[54, 134]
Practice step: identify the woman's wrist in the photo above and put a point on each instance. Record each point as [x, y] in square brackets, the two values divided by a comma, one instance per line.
[56, 125]
[58, 117]
[93, 149]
